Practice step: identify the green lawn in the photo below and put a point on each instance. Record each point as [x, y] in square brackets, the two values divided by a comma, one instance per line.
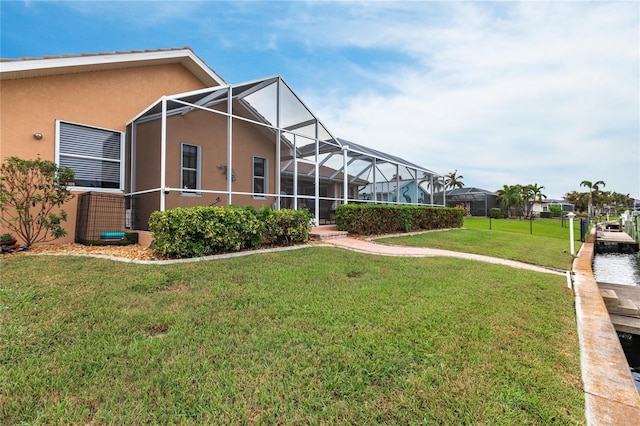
[312, 336]
[542, 242]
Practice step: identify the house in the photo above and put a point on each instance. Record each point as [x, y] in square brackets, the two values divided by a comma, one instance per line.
[476, 201]
[395, 191]
[543, 206]
[159, 129]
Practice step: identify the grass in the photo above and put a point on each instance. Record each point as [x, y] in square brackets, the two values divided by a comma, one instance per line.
[312, 336]
[547, 246]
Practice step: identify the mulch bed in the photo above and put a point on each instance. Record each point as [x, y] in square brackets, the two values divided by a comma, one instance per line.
[131, 252]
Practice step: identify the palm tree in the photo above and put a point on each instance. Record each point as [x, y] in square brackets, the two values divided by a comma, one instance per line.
[536, 193]
[593, 187]
[509, 196]
[434, 183]
[453, 180]
[524, 195]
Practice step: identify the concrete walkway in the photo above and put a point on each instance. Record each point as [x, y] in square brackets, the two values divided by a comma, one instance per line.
[370, 247]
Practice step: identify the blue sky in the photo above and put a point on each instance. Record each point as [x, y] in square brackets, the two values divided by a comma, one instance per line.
[504, 92]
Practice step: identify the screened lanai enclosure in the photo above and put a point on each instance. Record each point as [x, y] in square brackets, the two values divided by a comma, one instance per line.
[475, 201]
[256, 143]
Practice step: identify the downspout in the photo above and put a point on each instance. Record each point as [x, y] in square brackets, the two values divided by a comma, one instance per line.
[163, 154]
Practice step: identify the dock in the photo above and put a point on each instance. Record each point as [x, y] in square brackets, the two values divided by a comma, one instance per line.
[623, 303]
[610, 239]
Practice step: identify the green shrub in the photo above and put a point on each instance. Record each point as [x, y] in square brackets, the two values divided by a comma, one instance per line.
[31, 194]
[495, 213]
[203, 230]
[555, 210]
[285, 227]
[546, 215]
[382, 219]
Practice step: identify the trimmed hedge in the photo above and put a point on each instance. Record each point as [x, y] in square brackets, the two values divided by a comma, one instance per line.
[366, 219]
[495, 213]
[204, 230]
[285, 227]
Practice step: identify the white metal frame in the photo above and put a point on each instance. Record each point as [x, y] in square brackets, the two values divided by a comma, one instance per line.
[320, 149]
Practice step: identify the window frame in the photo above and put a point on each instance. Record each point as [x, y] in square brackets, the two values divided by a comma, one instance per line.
[120, 160]
[265, 181]
[198, 170]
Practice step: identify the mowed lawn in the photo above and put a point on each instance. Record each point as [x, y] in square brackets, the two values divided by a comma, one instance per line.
[543, 242]
[311, 336]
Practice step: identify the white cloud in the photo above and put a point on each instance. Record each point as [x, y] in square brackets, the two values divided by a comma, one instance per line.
[505, 93]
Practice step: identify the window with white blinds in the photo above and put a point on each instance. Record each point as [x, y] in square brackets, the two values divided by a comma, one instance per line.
[94, 154]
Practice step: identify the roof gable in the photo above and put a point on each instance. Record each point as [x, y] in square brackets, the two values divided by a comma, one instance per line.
[69, 64]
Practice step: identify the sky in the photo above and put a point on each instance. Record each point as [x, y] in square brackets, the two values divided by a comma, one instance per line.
[504, 93]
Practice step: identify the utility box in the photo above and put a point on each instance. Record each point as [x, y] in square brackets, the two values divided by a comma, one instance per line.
[100, 219]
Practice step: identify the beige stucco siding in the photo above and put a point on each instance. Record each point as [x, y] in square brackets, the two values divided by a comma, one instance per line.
[106, 99]
[209, 131]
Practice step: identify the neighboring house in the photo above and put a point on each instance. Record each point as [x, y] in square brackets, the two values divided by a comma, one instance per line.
[395, 191]
[543, 206]
[475, 201]
[160, 129]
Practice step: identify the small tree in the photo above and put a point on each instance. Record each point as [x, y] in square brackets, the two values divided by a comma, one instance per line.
[30, 190]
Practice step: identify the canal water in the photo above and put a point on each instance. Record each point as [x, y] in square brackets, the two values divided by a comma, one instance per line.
[620, 268]
[617, 268]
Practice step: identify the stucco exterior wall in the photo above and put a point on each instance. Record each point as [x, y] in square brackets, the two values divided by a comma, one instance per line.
[209, 131]
[107, 99]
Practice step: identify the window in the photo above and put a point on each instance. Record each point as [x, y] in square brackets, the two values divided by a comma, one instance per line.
[259, 177]
[190, 168]
[94, 154]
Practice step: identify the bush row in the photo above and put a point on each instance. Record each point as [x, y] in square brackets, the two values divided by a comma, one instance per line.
[204, 230]
[366, 219]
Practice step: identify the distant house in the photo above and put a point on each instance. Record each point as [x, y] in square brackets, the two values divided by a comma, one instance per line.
[543, 206]
[394, 191]
[476, 201]
[160, 129]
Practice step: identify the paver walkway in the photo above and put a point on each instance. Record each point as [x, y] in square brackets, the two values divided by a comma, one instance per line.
[370, 247]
